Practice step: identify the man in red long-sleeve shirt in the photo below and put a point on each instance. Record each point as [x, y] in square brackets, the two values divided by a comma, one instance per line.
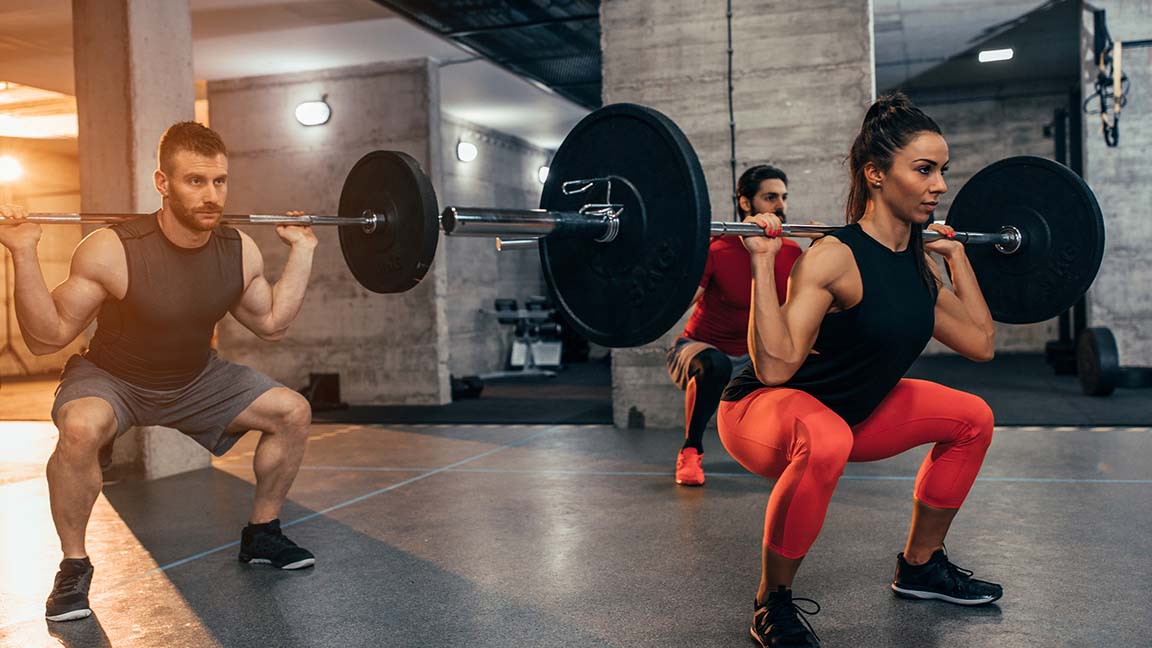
[714, 344]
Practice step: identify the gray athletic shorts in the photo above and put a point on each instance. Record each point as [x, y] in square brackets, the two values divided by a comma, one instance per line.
[202, 409]
[680, 356]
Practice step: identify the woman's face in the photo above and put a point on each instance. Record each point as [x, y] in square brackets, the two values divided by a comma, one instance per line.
[912, 187]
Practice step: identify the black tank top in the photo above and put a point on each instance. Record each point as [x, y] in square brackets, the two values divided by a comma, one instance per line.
[864, 350]
[159, 336]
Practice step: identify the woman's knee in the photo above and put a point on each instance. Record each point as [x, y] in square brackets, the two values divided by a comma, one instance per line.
[824, 447]
[981, 421]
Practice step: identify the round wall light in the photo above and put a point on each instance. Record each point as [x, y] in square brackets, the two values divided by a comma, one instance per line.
[314, 113]
[466, 151]
[10, 169]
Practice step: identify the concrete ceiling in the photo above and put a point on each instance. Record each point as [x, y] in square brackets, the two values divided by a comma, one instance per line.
[913, 36]
[236, 38]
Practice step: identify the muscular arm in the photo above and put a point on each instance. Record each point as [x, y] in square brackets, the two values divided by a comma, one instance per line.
[269, 310]
[779, 339]
[963, 322]
[49, 321]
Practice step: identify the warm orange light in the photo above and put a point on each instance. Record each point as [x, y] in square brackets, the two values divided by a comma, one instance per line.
[10, 169]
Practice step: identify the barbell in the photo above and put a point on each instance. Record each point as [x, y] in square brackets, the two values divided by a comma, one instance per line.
[624, 225]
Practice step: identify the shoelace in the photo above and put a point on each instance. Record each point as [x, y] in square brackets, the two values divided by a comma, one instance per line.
[789, 617]
[957, 576]
[277, 538]
[67, 582]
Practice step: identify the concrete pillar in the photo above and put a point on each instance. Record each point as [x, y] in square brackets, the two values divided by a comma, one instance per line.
[1122, 180]
[386, 348]
[133, 61]
[802, 76]
[504, 174]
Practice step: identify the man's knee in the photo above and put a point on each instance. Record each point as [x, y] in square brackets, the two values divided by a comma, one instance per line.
[292, 411]
[85, 425]
[713, 366]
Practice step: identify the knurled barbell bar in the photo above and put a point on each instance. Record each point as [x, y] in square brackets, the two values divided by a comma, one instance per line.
[368, 221]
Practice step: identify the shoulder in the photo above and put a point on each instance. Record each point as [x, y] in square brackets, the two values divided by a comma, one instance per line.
[101, 243]
[825, 260]
[250, 252]
[100, 255]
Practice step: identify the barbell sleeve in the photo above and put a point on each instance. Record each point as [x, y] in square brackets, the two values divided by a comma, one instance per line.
[520, 223]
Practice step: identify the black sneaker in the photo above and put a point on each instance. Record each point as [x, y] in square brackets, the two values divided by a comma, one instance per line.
[780, 622]
[264, 544]
[940, 579]
[69, 598]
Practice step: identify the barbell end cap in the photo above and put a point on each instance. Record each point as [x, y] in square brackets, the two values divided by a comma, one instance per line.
[372, 220]
[1015, 240]
[448, 220]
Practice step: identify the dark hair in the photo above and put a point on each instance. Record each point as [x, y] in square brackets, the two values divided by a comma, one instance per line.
[750, 180]
[891, 122]
[188, 136]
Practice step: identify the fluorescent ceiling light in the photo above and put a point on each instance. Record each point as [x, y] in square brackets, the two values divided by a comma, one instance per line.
[989, 56]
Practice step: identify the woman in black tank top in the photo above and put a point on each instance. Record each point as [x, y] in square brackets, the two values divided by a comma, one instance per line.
[827, 385]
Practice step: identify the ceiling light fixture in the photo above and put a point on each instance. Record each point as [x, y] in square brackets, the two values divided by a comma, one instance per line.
[989, 56]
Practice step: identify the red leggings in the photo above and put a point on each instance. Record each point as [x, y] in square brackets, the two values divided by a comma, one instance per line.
[788, 435]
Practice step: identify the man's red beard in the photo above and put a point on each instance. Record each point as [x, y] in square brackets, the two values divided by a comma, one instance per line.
[194, 219]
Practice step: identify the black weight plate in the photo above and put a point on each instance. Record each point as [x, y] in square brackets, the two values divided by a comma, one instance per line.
[630, 291]
[397, 255]
[1097, 361]
[1063, 236]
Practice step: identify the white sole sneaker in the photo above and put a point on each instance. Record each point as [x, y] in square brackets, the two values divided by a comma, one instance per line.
[70, 616]
[926, 596]
[299, 564]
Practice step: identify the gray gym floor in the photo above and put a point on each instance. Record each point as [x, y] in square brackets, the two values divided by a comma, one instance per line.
[576, 536]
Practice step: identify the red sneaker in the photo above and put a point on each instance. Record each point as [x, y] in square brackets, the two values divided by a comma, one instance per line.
[689, 468]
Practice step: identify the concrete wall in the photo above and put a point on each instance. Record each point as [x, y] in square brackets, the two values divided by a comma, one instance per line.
[803, 77]
[1121, 298]
[51, 183]
[504, 174]
[386, 348]
[980, 133]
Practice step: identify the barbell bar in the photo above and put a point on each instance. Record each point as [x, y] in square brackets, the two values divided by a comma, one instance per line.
[368, 221]
[529, 225]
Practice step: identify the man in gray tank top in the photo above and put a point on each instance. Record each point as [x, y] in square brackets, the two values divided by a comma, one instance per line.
[157, 286]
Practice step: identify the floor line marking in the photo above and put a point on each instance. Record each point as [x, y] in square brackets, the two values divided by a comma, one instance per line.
[664, 473]
[334, 507]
